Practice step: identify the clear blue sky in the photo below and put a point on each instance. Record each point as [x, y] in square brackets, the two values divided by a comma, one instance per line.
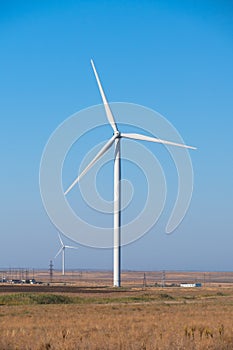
[175, 57]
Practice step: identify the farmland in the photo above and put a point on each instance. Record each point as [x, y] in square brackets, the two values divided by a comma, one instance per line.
[64, 316]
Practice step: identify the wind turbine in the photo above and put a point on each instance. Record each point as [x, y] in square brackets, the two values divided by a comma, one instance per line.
[62, 250]
[116, 140]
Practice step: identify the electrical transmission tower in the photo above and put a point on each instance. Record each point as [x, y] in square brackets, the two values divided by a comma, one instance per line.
[51, 270]
[163, 278]
[144, 280]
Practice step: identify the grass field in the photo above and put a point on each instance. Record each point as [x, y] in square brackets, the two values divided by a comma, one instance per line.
[127, 318]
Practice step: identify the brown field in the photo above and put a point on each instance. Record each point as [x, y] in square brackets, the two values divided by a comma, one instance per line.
[75, 316]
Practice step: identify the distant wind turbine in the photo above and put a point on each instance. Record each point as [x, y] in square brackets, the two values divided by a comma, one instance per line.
[62, 250]
[116, 138]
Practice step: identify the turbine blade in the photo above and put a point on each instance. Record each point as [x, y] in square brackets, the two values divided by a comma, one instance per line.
[70, 247]
[105, 102]
[60, 239]
[104, 149]
[154, 139]
[59, 251]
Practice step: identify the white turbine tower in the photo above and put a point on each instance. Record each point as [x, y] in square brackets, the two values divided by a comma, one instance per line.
[62, 250]
[116, 138]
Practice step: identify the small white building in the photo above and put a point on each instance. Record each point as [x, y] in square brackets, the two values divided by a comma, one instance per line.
[190, 285]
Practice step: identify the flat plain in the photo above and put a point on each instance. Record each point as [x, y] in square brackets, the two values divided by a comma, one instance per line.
[73, 316]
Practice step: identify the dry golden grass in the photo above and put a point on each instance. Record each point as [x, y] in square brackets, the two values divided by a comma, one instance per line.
[168, 318]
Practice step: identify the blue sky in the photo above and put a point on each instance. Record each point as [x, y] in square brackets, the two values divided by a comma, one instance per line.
[172, 56]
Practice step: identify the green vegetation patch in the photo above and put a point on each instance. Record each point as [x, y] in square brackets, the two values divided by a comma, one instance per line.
[30, 298]
[44, 298]
[166, 296]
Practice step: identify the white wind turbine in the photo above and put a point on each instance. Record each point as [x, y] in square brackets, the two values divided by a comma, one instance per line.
[62, 250]
[116, 138]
